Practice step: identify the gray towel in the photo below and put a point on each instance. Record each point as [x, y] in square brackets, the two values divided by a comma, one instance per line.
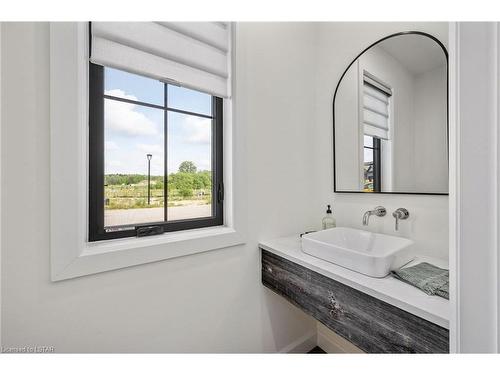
[431, 279]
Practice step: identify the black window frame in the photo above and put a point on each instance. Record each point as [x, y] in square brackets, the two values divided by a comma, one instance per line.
[376, 163]
[96, 229]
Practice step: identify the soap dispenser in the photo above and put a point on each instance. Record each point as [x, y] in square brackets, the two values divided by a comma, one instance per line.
[329, 221]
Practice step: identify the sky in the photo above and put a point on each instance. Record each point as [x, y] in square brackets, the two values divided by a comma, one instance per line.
[132, 131]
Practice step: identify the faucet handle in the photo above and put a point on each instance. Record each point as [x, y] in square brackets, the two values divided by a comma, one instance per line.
[379, 211]
[400, 214]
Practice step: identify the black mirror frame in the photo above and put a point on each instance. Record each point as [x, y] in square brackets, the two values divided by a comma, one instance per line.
[447, 109]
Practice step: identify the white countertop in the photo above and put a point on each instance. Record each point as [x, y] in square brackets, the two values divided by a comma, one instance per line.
[388, 289]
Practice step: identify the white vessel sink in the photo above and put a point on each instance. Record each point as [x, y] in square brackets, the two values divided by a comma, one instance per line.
[372, 254]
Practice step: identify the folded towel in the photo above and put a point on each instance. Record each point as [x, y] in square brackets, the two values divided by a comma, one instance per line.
[428, 278]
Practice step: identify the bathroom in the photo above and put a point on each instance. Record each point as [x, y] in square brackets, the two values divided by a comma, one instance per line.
[278, 161]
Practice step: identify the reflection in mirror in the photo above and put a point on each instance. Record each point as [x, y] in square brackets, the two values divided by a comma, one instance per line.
[390, 118]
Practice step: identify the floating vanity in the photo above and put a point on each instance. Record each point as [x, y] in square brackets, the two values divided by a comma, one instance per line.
[378, 315]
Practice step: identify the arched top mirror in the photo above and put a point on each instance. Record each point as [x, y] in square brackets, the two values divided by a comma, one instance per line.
[390, 117]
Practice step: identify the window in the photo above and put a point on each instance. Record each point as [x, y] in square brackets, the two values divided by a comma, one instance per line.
[72, 252]
[376, 129]
[155, 156]
[156, 135]
[372, 165]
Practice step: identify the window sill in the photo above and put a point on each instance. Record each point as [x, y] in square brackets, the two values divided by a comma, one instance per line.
[108, 255]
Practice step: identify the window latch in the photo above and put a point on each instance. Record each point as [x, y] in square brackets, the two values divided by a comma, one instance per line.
[220, 192]
[149, 230]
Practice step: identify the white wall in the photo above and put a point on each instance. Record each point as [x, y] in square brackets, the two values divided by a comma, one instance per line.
[474, 200]
[430, 136]
[349, 160]
[210, 302]
[338, 44]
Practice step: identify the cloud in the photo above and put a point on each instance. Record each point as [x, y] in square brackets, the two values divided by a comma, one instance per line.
[197, 130]
[124, 118]
[204, 164]
[111, 146]
[132, 133]
[120, 94]
[154, 149]
[113, 164]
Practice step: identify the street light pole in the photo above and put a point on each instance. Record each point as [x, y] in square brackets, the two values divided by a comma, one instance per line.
[149, 156]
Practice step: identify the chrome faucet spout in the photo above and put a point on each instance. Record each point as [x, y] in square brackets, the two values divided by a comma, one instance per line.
[366, 217]
[377, 211]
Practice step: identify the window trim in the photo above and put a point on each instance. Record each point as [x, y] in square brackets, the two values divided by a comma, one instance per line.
[71, 254]
[97, 229]
[377, 165]
[377, 162]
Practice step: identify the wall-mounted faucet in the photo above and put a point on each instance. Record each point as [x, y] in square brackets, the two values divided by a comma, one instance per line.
[400, 214]
[377, 211]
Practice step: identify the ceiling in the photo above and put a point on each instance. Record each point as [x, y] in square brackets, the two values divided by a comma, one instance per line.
[417, 53]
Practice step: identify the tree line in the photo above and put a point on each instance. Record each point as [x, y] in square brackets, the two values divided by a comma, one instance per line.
[184, 182]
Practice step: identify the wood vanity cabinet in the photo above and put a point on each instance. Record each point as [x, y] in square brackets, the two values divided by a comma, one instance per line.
[372, 325]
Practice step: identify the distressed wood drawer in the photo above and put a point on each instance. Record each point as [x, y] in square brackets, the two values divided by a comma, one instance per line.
[369, 323]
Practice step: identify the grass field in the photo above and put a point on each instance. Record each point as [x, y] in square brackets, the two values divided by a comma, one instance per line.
[126, 197]
[127, 204]
[136, 196]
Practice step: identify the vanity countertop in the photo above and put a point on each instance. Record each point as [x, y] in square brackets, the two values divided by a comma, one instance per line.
[397, 293]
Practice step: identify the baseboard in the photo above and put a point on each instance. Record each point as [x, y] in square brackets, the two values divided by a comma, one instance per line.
[330, 342]
[302, 345]
[323, 337]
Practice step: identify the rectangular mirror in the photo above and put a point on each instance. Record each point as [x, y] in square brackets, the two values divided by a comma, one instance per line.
[391, 118]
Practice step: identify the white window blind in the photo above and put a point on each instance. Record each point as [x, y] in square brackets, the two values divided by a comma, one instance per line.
[192, 54]
[375, 108]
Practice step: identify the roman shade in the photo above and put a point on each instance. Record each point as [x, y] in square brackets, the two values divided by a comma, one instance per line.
[375, 109]
[190, 54]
